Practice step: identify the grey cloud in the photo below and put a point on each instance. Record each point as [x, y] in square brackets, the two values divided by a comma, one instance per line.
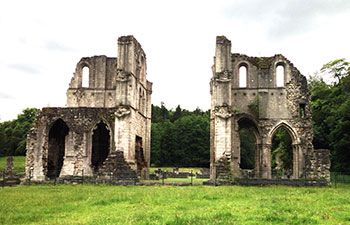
[52, 45]
[284, 18]
[24, 68]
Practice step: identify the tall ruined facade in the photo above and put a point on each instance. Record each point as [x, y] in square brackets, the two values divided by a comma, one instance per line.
[247, 93]
[106, 126]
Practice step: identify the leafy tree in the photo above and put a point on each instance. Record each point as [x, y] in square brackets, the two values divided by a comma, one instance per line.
[330, 104]
[182, 141]
[13, 133]
[338, 68]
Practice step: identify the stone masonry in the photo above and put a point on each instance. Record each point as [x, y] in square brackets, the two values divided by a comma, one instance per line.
[106, 125]
[256, 101]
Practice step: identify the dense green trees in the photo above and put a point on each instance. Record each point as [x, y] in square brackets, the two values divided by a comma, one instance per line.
[330, 105]
[13, 133]
[179, 138]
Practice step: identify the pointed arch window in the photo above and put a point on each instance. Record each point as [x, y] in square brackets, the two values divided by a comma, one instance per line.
[85, 76]
[243, 72]
[280, 76]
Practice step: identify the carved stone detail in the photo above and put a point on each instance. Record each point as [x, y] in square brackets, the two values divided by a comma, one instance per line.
[122, 111]
[224, 76]
[123, 76]
[224, 111]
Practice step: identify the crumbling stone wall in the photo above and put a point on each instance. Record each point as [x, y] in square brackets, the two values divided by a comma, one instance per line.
[262, 106]
[119, 95]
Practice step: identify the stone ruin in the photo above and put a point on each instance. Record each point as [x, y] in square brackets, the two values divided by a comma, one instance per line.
[106, 127]
[247, 92]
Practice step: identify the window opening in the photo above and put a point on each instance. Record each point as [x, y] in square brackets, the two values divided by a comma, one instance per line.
[85, 76]
[280, 76]
[281, 154]
[242, 77]
[139, 156]
[302, 112]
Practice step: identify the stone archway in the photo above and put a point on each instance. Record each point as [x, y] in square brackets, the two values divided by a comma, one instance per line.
[56, 148]
[246, 122]
[101, 145]
[298, 158]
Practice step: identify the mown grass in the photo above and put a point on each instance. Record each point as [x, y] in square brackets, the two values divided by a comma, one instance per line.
[100, 204]
[18, 163]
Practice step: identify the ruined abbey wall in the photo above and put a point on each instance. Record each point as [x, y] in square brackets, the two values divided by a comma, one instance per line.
[252, 98]
[108, 119]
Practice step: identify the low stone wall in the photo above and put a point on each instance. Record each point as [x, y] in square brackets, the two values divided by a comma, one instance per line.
[320, 165]
[269, 182]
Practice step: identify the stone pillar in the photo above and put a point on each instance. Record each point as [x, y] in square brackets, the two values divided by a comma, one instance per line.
[235, 150]
[257, 168]
[221, 111]
[266, 161]
[9, 166]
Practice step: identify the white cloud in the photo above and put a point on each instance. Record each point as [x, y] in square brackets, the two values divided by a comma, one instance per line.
[42, 41]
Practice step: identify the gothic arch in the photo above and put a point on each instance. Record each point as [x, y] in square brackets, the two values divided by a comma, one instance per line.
[100, 143]
[57, 133]
[79, 70]
[243, 75]
[292, 132]
[298, 158]
[247, 117]
[247, 121]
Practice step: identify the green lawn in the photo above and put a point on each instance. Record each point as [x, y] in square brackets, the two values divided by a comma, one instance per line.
[100, 204]
[18, 163]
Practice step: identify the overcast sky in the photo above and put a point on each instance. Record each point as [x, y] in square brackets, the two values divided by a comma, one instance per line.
[42, 41]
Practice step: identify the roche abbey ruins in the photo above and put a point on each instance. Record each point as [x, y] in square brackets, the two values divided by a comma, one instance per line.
[247, 93]
[105, 129]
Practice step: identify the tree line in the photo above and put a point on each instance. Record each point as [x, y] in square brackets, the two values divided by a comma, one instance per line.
[181, 137]
[13, 133]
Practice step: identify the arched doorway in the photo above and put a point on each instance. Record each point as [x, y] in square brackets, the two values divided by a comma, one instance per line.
[57, 136]
[249, 151]
[286, 156]
[281, 154]
[100, 145]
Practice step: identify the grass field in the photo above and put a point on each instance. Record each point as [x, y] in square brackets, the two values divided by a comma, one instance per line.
[100, 204]
[18, 163]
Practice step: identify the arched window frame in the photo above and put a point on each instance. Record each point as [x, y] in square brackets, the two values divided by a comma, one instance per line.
[242, 84]
[281, 75]
[85, 77]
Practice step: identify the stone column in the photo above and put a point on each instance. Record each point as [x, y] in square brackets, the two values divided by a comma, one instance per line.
[298, 161]
[221, 112]
[258, 160]
[266, 161]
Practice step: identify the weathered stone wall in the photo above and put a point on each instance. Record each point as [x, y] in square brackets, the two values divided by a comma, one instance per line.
[118, 94]
[260, 105]
[101, 89]
[81, 122]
